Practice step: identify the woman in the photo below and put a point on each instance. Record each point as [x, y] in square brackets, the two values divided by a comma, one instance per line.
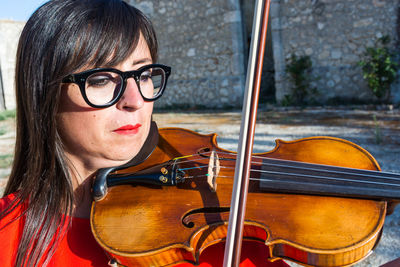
[72, 119]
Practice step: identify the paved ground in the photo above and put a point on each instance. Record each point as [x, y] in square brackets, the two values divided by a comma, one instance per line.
[378, 131]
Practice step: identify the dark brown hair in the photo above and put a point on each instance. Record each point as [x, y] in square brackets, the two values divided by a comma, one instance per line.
[61, 37]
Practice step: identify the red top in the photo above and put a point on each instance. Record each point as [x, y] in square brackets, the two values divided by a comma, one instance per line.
[79, 248]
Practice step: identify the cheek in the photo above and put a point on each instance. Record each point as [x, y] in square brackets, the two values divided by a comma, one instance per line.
[77, 123]
[71, 100]
[79, 130]
[148, 110]
[147, 117]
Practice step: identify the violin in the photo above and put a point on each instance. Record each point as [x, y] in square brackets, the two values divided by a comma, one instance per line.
[318, 201]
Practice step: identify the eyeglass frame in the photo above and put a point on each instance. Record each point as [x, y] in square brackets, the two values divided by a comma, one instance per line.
[80, 80]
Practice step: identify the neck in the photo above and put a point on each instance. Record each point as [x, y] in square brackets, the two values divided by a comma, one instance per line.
[81, 183]
[82, 199]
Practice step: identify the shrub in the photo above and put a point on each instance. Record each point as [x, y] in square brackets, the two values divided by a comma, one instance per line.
[299, 70]
[379, 68]
[7, 114]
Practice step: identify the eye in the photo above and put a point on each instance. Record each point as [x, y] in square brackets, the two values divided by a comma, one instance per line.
[145, 76]
[101, 79]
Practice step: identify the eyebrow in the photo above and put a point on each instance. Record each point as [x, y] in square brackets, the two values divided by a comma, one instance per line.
[140, 61]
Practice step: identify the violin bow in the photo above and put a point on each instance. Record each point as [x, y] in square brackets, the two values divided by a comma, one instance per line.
[246, 139]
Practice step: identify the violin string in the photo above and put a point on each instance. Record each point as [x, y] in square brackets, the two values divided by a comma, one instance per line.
[281, 163]
[337, 170]
[297, 175]
[364, 173]
[195, 158]
[251, 178]
[312, 167]
[325, 178]
[195, 176]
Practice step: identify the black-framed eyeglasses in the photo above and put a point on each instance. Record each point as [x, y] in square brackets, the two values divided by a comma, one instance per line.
[103, 87]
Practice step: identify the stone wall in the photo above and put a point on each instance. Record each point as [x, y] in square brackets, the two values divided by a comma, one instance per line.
[206, 44]
[334, 34]
[203, 43]
[9, 34]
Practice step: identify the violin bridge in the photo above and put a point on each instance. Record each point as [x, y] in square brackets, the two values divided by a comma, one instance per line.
[213, 171]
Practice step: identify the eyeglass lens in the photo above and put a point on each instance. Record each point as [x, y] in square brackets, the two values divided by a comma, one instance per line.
[103, 87]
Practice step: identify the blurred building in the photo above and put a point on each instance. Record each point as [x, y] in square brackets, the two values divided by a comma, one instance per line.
[9, 34]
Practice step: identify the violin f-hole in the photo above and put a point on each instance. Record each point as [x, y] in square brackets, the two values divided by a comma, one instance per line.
[212, 214]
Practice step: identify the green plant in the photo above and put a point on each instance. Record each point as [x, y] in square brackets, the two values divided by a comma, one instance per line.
[6, 160]
[379, 68]
[378, 132]
[7, 114]
[299, 70]
[3, 131]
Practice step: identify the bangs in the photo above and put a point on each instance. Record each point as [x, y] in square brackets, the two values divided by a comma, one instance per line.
[110, 34]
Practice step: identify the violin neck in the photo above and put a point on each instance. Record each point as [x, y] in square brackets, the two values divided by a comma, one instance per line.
[306, 178]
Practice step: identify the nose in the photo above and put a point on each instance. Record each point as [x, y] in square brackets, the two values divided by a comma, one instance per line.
[131, 99]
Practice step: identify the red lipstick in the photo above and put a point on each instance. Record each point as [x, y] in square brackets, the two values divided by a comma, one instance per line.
[128, 129]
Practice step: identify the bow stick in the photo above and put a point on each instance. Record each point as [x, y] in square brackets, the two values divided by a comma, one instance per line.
[246, 139]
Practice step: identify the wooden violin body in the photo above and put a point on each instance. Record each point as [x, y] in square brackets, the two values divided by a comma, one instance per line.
[143, 224]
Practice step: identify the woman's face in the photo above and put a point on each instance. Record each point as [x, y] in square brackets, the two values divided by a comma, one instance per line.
[98, 138]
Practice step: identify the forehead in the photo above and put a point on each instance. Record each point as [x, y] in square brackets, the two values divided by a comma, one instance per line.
[139, 53]
[140, 56]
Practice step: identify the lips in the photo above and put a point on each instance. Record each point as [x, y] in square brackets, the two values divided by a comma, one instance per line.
[128, 129]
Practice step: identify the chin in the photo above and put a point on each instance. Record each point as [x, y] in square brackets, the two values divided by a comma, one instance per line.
[125, 157]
